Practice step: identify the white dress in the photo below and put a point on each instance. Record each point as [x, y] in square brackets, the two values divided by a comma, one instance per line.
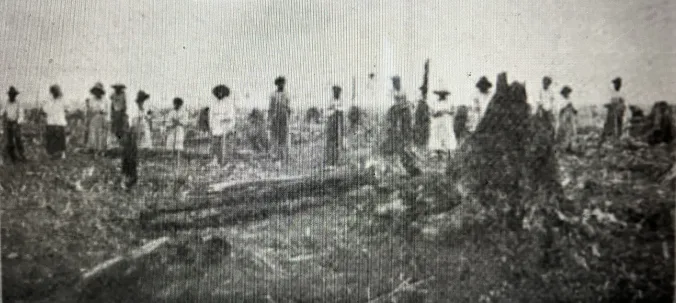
[442, 136]
[143, 129]
[176, 132]
[477, 109]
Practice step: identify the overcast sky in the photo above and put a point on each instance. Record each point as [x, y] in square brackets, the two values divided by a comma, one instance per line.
[184, 48]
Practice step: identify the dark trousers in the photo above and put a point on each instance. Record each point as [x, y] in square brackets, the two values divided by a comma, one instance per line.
[129, 157]
[55, 140]
[222, 147]
[14, 143]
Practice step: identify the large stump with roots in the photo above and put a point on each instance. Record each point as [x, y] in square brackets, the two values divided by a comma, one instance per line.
[508, 166]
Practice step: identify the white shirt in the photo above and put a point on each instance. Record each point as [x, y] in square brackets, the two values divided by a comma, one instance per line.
[14, 111]
[222, 116]
[135, 115]
[480, 102]
[56, 112]
[181, 115]
[626, 118]
[548, 101]
[336, 106]
[99, 105]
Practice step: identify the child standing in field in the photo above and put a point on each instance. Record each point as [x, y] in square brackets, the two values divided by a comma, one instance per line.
[176, 131]
[12, 114]
[55, 132]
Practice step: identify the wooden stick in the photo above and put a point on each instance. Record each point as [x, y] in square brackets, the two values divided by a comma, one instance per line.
[132, 256]
[402, 287]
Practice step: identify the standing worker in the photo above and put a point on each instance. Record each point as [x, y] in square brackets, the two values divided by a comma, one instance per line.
[335, 130]
[479, 103]
[567, 131]
[55, 132]
[178, 118]
[442, 139]
[98, 109]
[12, 113]
[278, 117]
[222, 125]
[118, 108]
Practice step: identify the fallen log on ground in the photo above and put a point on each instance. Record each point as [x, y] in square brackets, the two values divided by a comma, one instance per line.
[219, 216]
[263, 191]
[119, 270]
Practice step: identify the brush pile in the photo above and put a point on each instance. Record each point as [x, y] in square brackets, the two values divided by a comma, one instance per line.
[566, 227]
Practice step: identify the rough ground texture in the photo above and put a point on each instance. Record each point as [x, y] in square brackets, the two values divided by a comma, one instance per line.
[615, 243]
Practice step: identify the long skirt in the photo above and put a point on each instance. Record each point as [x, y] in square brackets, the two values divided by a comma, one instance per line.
[334, 139]
[222, 147]
[279, 137]
[98, 133]
[129, 157]
[442, 135]
[118, 121]
[145, 136]
[175, 138]
[55, 139]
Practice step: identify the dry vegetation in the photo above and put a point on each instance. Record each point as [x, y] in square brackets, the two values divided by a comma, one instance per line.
[416, 240]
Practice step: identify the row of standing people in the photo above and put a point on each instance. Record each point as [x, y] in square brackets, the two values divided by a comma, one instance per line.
[446, 129]
[12, 113]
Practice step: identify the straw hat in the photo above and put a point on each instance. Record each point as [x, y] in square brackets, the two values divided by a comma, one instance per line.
[97, 89]
[442, 94]
[483, 83]
[142, 96]
[118, 87]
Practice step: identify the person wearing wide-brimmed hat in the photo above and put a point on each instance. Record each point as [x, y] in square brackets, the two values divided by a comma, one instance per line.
[142, 121]
[442, 138]
[98, 108]
[118, 108]
[567, 130]
[12, 112]
[335, 129]
[222, 118]
[479, 103]
[279, 114]
[55, 132]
